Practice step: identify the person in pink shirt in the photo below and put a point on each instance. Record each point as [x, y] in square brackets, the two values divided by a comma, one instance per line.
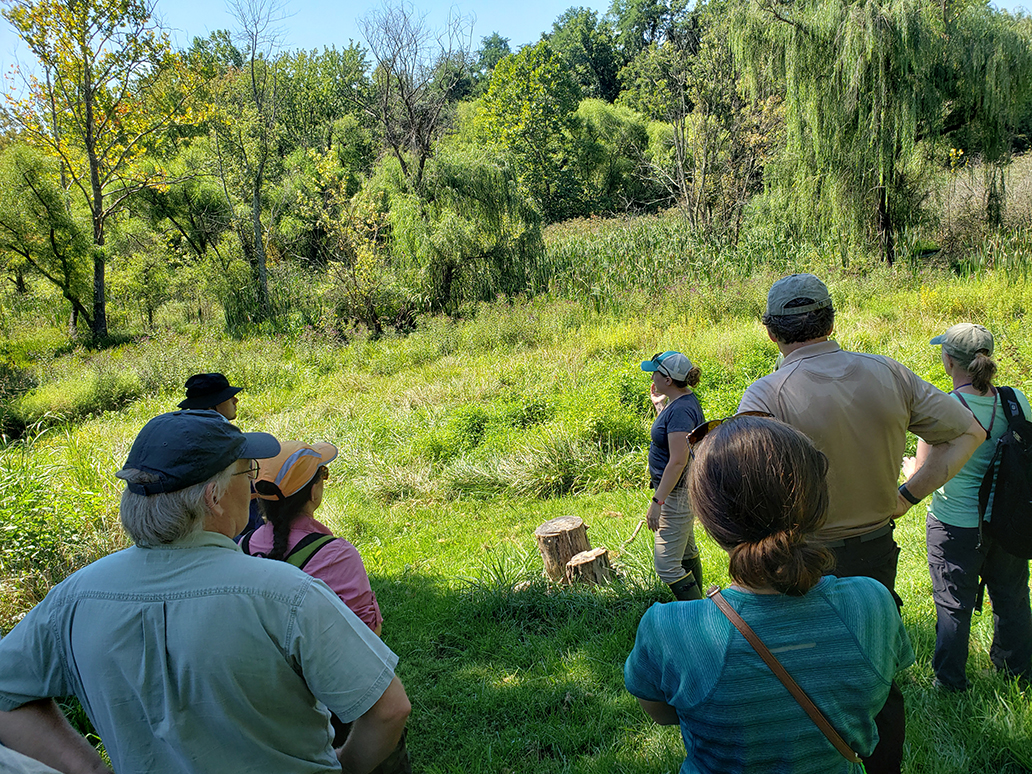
[290, 489]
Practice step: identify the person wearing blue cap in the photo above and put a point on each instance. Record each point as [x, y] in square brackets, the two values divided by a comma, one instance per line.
[188, 655]
[677, 558]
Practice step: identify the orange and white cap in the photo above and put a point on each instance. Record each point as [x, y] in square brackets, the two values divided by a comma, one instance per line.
[288, 472]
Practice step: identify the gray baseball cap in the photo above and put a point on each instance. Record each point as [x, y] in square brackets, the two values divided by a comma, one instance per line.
[965, 340]
[669, 363]
[788, 289]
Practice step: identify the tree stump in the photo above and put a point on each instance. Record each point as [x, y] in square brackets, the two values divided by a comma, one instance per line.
[559, 540]
[589, 566]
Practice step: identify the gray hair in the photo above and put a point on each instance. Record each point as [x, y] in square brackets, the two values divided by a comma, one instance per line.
[163, 518]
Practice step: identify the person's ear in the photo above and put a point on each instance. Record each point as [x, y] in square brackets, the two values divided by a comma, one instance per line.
[211, 500]
[771, 336]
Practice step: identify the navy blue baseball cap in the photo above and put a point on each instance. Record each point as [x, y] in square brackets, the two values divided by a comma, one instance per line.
[183, 448]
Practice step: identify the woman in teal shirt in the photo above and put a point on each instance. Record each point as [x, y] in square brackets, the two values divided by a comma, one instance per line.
[957, 554]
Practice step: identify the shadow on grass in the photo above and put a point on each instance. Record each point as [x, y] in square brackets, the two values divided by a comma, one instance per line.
[522, 681]
[531, 680]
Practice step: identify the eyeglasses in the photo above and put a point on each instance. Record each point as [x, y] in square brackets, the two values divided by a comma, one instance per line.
[700, 432]
[323, 473]
[252, 470]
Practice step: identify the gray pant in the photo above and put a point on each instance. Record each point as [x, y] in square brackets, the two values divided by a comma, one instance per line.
[956, 562]
[675, 538]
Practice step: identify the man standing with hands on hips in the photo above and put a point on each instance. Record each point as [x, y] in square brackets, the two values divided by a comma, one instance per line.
[857, 409]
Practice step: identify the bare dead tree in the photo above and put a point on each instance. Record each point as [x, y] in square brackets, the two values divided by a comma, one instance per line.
[419, 73]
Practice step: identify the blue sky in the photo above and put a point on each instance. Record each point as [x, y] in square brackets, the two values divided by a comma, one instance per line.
[317, 23]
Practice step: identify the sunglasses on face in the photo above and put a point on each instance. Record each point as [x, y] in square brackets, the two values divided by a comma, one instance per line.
[659, 364]
[700, 432]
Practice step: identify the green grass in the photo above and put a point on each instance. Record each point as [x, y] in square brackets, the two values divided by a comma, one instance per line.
[460, 439]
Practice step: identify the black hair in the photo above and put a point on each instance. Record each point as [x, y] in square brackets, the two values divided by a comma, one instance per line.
[793, 328]
[281, 514]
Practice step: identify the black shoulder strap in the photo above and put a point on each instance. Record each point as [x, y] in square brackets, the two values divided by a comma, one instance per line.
[306, 548]
[245, 541]
[1011, 407]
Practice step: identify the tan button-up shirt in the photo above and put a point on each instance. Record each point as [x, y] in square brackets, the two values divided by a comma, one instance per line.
[857, 409]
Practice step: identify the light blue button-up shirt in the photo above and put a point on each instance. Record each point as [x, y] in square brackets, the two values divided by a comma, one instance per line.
[194, 657]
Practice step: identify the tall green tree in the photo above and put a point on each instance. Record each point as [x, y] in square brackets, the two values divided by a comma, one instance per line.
[869, 86]
[586, 45]
[38, 234]
[528, 113]
[103, 94]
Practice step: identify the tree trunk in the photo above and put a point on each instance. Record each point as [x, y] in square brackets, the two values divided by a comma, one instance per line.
[886, 227]
[264, 308]
[589, 566]
[559, 540]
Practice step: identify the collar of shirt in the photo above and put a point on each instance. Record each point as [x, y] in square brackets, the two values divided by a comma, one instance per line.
[197, 539]
[811, 350]
[307, 524]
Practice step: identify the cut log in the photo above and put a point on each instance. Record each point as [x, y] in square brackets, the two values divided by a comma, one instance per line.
[589, 566]
[559, 540]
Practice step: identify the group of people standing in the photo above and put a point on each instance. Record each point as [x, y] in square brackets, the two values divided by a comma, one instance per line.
[190, 656]
[801, 488]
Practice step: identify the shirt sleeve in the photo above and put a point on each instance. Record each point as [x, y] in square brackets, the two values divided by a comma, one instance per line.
[935, 417]
[345, 665]
[31, 660]
[755, 399]
[642, 673]
[339, 565]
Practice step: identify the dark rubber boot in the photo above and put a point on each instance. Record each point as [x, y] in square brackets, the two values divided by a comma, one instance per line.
[686, 589]
[693, 567]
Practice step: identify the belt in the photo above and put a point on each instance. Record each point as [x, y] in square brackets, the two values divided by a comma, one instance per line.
[867, 537]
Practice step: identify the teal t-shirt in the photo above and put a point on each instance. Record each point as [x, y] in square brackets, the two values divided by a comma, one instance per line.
[842, 642]
[956, 502]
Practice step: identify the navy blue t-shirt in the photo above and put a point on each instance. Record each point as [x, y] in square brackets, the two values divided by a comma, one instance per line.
[681, 416]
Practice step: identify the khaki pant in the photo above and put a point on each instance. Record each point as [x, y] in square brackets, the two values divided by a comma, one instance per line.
[675, 538]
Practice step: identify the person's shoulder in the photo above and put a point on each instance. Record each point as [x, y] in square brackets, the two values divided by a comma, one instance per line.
[857, 592]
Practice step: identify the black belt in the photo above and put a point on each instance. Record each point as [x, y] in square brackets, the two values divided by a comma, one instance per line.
[867, 537]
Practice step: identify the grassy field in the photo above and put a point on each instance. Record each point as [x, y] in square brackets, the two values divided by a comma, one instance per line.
[461, 438]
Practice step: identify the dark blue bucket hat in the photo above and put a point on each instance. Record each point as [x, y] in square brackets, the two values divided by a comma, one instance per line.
[183, 448]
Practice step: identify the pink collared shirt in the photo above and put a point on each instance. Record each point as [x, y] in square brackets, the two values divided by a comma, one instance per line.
[336, 564]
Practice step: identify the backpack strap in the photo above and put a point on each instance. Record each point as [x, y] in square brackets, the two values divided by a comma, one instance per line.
[306, 548]
[1011, 408]
[245, 541]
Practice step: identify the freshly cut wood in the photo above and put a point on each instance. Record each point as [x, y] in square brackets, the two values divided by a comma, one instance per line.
[559, 540]
[589, 566]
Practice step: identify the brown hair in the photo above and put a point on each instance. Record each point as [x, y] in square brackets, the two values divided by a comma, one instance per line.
[758, 487]
[690, 380]
[982, 369]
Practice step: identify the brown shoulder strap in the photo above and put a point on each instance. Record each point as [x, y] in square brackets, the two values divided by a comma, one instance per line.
[779, 671]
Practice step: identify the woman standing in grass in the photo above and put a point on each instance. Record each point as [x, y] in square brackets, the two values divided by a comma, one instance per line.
[758, 487]
[957, 554]
[678, 562]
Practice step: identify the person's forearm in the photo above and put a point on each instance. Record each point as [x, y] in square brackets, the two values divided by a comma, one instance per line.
[671, 475]
[376, 733]
[938, 463]
[40, 731]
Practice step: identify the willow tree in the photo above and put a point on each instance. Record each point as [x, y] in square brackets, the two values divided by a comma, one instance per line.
[870, 86]
[858, 98]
